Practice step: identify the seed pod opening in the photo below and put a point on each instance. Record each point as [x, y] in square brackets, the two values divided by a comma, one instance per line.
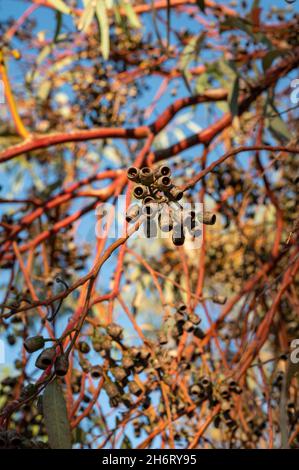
[146, 175]
[164, 182]
[175, 194]
[61, 365]
[140, 191]
[114, 330]
[34, 343]
[133, 173]
[163, 170]
[96, 372]
[219, 299]
[207, 218]
[134, 388]
[45, 358]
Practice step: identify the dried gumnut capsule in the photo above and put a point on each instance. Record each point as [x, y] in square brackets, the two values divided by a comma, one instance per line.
[106, 344]
[144, 354]
[135, 352]
[133, 213]
[182, 308]
[34, 343]
[188, 326]
[164, 183]
[205, 382]
[163, 170]
[135, 388]
[28, 391]
[96, 372]
[45, 358]
[146, 175]
[83, 347]
[175, 194]
[111, 389]
[61, 365]
[234, 387]
[114, 330]
[150, 228]
[195, 389]
[194, 318]
[141, 191]
[119, 373]
[207, 218]
[133, 174]
[162, 338]
[199, 333]
[127, 362]
[224, 391]
[178, 237]
[219, 299]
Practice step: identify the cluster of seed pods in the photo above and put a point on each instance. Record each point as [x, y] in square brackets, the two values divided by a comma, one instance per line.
[161, 197]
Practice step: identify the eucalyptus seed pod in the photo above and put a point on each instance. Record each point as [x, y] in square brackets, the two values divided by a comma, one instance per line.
[140, 191]
[165, 220]
[149, 200]
[114, 402]
[111, 389]
[219, 299]
[195, 389]
[199, 333]
[163, 170]
[179, 318]
[119, 373]
[205, 382]
[61, 365]
[175, 194]
[127, 362]
[133, 213]
[188, 326]
[45, 358]
[115, 331]
[34, 343]
[162, 338]
[178, 237]
[83, 347]
[96, 372]
[164, 183]
[144, 354]
[224, 391]
[146, 175]
[106, 344]
[28, 391]
[182, 309]
[97, 343]
[207, 218]
[195, 320]
[127, 400]
[135, 352]
[134, 388]
[133, 174]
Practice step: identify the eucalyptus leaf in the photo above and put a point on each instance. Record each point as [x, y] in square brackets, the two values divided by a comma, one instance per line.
[61, 6]
[55, 415]
[102, 16]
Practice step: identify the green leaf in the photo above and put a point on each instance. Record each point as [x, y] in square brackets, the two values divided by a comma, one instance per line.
[191, 51]
[55, 415]
[269, 58]
[61, 6]
[103, 20]
[131, 15]
[277, 126]
[87, 16]
[201, 5]
[233, 97]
